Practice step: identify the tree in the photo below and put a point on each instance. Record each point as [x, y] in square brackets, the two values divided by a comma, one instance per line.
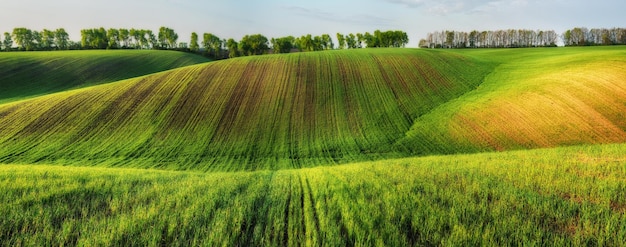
[233, 48]
[351, 41]
[578, 36]
[23, 38]
[151, 40]
[567, 38]
[113, 36]
[212, 44]
[95, 38]
[8, 42]
[135, 37]
[327, 42]
[61, 39]
[341, 41]
[423, 43]
[37, 40]
[401, 39]
[283, 45]
[194, 47]
[256, 44]
[124, 38]
[369, 39]
[305, 43]
[47, 39]
[167, 38]
[360, 38]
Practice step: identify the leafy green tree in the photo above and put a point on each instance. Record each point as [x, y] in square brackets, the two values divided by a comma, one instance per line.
[47, 39]
[360, 38]
[23, 38]
[256, 44]
[233, 48]
[7, 42]
[327, 42]
[124, 37]
[136, 36]
[151, 39]
[61, 39]
[167, 38]
[37, 41]
[212, 44]
[95, 38]
[194, 47]
[341, 41]
[351, 41]
[283, 45]
[318, 45]
[113, 36]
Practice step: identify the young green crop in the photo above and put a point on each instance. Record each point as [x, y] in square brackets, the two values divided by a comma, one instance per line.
[557, 197]
[29, 74]
[534, 98]
[265, 112]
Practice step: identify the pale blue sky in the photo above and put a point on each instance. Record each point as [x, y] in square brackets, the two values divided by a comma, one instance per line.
[276, 18]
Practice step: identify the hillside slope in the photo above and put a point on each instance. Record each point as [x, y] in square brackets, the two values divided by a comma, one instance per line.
[534, 98]
[28, 74]
[309, 109]
[266, 112]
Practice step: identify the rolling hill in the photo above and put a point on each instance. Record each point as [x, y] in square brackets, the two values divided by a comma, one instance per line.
[309, 109]
[241, 126]
[534, 98]
[29, 74]
[265, 112]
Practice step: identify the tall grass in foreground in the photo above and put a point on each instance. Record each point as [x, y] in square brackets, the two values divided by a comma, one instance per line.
[550, 197]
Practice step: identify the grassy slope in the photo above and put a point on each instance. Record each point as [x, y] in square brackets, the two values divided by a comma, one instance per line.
[574, 196]
[534, 98]
[560, 197]
[267, 112]
[28, 74]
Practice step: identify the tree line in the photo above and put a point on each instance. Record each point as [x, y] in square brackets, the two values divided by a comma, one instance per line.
[112, 38]
[377, 39]
[490, 39]
[32, 40]
[582, 36]
[211, 45]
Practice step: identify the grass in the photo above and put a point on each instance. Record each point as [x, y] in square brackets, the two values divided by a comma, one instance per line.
[29, 74]
[239, 152]
[266, 112]
[335, 107]
[534, 98]
[557, 197]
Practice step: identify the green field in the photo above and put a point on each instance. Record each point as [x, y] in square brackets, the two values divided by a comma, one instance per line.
[28, 74]
[321, 149]
[264, 112]
[554, 197]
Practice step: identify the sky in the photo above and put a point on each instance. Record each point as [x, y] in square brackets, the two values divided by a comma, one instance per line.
[278, 18]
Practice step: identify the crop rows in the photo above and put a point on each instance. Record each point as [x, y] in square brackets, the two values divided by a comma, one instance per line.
[532, 99]
[268, 112]
[565, 196]
[26, 75]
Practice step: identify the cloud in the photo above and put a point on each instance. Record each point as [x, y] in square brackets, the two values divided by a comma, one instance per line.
[408, 3]
[447, 7]
[357, 19]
